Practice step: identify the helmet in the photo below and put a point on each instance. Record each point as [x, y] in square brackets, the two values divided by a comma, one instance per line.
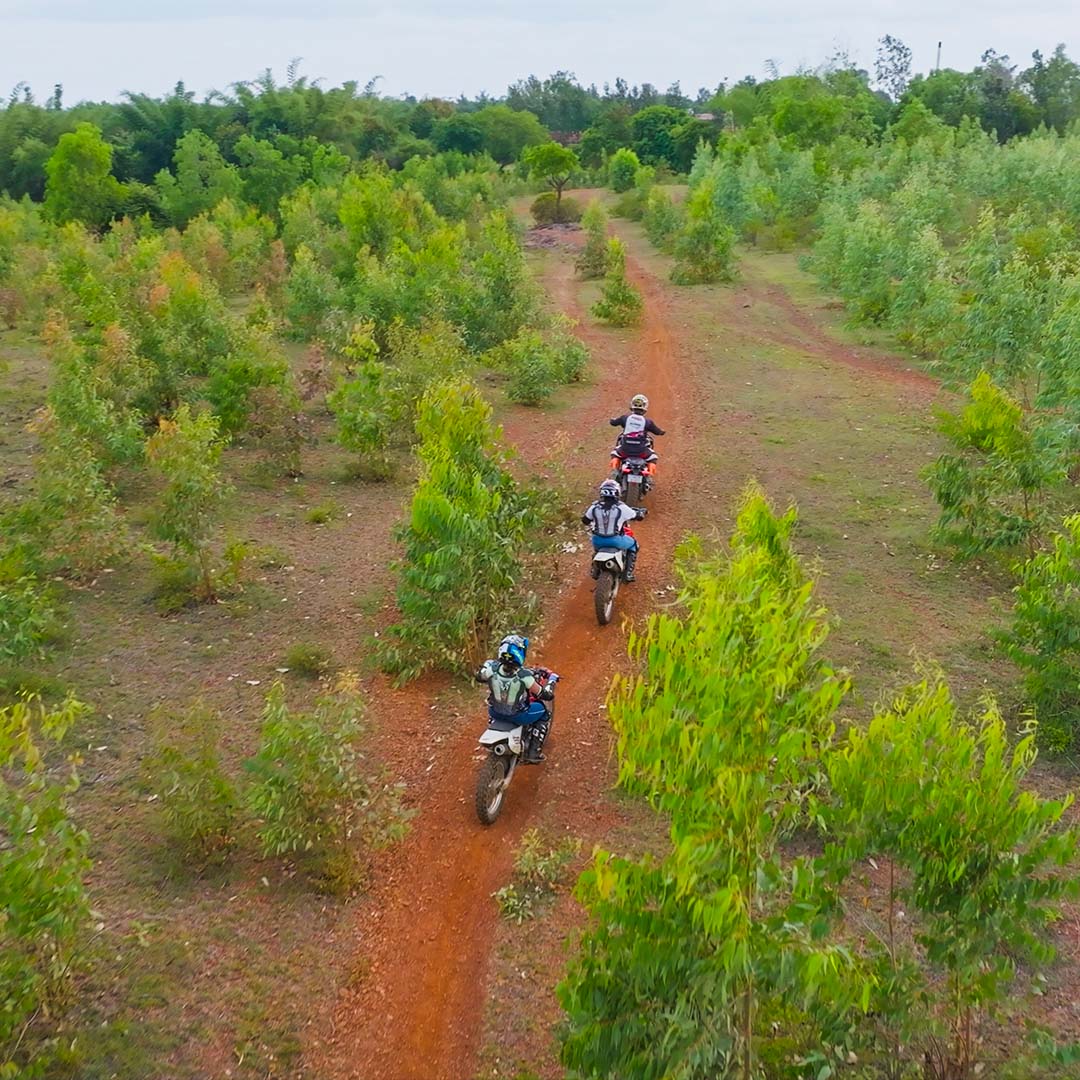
[512, 650]
[639, 403]
[609, 491]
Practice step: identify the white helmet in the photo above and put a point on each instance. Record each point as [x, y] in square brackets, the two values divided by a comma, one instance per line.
[609, 490]
[639, 403]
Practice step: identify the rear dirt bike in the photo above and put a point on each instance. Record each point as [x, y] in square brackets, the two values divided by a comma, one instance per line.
[609, 569]
[635, 478]
[505, 744]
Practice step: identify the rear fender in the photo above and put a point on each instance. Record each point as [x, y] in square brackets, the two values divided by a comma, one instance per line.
[512, 739]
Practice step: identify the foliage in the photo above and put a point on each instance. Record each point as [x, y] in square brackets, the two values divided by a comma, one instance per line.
[1043, 639]
[703, 246]
[44, 906]
[195, 798]
[975, 863]
[202, 179]
[235, 379]
[80, 185]
[620, 304]
[309, 792]
[992, 489]
[631, 204]
[551, 163]
[547, 209]
[537, 365]
[308, 659]
[724, 733]
[662, 219]
[27, 613]
[186, 452]
[623, 169]
[592, 262]
[459, 572]
[537, 875]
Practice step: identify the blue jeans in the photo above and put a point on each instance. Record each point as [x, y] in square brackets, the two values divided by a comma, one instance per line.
[537, 710]
[623, 543]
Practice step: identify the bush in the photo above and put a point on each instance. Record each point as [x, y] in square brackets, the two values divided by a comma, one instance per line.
[537, 875]
[195, 798]
[43, 864]
[310, 660]
[310, 794]
[186, 452]
[235, 378]
[703, 246]
[548, 210]
[461, 566]
[592, 262]
[27, 615]
[662, 219]
[631, 204]
[622, 170]
[620, 303]
[1042, 638]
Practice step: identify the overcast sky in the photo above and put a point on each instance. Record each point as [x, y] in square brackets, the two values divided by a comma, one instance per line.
[99, 48]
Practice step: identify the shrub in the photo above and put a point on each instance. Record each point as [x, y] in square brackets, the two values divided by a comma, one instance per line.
[310, 794]
[703, 246]
[235, 378]
[312, 294]
[43, 864]
[623, 169]
[631, 204]
[548, 210]
[323, 514]
[992, 489]
[458, 576]
[186, 452]
[538, 872]
[196, 800]
[592, 262]
[310, 660]
[620, 303]
[1042, 638]
[279, 429]
[27, 615]
[662, 219]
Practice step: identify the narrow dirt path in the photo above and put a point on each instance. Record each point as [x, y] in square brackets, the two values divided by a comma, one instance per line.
[422, 939]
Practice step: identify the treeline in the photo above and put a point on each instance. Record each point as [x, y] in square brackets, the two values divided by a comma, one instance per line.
[297, 130]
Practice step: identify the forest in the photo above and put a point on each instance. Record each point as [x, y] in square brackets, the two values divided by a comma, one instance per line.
[304, 391]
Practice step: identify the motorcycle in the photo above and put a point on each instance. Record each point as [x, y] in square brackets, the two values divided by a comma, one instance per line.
[635, 477]
[505, 742]
[609, 571]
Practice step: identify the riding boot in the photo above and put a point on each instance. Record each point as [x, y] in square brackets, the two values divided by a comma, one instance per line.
[631, 562]
[538, 733]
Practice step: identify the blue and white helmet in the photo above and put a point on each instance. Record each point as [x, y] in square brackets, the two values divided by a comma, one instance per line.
[513, 649]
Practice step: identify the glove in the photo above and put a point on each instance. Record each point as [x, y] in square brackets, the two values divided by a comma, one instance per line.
[552, 679]
[641, 512]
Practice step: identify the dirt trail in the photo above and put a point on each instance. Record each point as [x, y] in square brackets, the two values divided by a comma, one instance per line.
[422, 940]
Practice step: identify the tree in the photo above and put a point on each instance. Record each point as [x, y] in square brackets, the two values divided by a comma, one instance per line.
[1042, 636]
[186, 451]
[203, 179]
[268, 175]
[620, 303]
[623, 169]
[703, 246]
[551, 162]
[80, 184]
[593, 260]
[652, 130]
[507, 132]
[892, 66]
[459, 131]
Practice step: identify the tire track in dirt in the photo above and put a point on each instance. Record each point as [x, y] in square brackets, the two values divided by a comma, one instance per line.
[422, 938]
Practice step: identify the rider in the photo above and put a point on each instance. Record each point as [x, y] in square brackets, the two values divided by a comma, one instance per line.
[514, 693]
[608, 517]
[634, 442]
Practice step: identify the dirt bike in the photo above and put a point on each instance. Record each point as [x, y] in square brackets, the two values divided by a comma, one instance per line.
[609, 571]
[635, 475]
[506, 742]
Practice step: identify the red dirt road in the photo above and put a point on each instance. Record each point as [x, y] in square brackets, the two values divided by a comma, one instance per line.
[422, 939]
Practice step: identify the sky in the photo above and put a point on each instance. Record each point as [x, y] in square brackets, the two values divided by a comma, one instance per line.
[99, 48]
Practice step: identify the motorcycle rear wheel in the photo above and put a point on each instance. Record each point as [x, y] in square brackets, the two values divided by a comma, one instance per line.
[489, 789]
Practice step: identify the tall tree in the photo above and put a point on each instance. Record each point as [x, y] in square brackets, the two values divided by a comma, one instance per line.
[892, 66]
[80, 184]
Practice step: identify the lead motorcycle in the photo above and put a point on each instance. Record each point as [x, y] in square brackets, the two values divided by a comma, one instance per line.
[505, 743]
[636, 476]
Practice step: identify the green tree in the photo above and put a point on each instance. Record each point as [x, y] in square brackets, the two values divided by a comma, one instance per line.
[268, 175]
[553, 163]
[1042, 638]
[507, 132]
[44, 903]
[186, 453]
[202, 179]
[461, 132]
[623, 169]
[653, 134]
[80, 184]
[992, 489]
[593, 260]
[620, 304]
[461, 565]
[724, 733]
[703, 246]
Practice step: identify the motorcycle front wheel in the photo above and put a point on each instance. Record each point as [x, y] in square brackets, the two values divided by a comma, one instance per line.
[604, 596]
[489, 789]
